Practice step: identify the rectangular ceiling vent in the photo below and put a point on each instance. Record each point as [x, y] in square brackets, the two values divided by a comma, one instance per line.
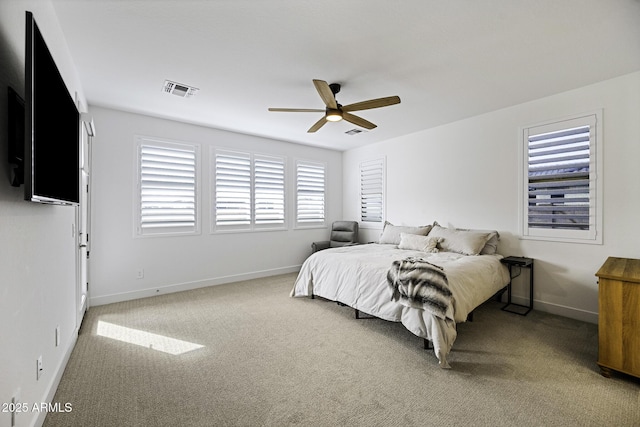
[353, 132]
[179, 89]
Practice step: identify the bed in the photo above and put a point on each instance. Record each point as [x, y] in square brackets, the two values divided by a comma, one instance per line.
[361, 277]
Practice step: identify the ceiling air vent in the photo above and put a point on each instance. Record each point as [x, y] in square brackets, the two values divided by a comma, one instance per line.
[353, 132]
[178, 89]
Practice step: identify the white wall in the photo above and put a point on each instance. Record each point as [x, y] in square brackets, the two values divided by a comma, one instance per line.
[465, 174]
[184, 262]
[37, 249]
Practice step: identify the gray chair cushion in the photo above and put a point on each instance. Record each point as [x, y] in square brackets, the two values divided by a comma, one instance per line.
[343, 233]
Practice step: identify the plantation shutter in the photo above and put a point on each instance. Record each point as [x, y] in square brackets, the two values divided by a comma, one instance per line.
[310, 193]
[561, 190]
[167, 184]
[269, 190]
[232, 189]
[372, 191]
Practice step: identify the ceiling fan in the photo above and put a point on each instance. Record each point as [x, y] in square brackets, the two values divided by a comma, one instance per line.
[335, 112]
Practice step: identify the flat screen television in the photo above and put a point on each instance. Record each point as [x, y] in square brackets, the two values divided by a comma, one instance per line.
[15, 136]
[52, 127]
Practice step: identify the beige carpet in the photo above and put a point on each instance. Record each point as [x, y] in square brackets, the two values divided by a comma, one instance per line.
[270, 360]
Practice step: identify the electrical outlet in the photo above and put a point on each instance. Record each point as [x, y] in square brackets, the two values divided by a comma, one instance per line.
[140, 273]
[39, 368]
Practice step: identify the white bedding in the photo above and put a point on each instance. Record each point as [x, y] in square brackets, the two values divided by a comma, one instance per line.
[357, 277]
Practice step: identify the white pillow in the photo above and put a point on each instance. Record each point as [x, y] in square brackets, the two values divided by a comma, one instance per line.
[416, 242]
[460, 241]
[391, 233]
[491, 247]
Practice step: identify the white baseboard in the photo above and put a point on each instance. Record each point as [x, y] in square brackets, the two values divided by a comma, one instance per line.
[52, 387]
[560, 310]
[178, 287]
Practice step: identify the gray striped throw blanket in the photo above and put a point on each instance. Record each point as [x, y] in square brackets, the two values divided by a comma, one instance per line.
[416, 283]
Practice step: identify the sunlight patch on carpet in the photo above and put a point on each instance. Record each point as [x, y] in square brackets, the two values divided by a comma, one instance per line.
[145, 339]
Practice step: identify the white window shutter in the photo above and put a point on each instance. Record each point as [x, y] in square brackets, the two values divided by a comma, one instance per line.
[167, 187]
[269, 202]
[310, 193]
[372, 181]
[561, 191]
[232, 189]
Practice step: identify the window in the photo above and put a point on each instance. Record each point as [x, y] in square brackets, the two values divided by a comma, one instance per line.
[561, 186]
[232, 190]
[166, 195]
[268, 185]
[249, 191]
[310, 193]
[372, 184]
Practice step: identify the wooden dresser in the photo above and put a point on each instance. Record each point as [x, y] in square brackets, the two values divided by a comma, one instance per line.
[619, 316]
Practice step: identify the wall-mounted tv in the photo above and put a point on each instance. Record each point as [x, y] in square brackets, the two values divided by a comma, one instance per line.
[52, 127]
[15, 134]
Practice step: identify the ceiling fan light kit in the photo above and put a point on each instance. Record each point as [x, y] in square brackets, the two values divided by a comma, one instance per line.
[335, 112]
[333, 115]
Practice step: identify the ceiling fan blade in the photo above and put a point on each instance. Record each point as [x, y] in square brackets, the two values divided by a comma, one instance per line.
[372, 103]
[358, 120]
[317, 125]
[326, 93]
[297, 110]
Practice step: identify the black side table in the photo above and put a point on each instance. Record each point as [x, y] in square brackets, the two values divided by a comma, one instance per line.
[518, 263]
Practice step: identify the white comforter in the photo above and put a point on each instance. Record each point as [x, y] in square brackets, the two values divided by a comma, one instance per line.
[357, 277]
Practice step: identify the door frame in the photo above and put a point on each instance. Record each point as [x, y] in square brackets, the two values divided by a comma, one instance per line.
[83, 222]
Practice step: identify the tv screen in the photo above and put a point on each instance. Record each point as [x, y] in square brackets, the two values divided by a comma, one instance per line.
[52, 127]
[15, 127]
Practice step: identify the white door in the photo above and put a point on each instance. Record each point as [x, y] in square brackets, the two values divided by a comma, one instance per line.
[83, 253]
[82, 220]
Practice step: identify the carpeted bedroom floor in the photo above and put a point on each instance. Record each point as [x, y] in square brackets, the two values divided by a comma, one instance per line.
[246, 354]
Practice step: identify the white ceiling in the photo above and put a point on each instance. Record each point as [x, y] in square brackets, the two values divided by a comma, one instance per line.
[447, 60]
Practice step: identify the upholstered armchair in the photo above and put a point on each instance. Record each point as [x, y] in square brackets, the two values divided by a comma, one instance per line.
[343, 233]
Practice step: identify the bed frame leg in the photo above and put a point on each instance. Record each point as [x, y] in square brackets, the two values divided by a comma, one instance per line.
[427, 344]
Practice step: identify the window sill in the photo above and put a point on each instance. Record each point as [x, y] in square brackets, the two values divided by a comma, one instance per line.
[311, 227]
[562, 240]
